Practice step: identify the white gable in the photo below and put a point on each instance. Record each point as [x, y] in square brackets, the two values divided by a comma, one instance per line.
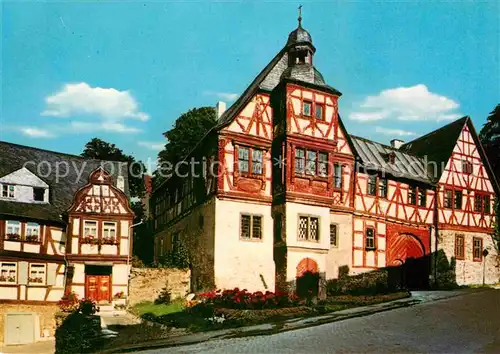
[24, 177]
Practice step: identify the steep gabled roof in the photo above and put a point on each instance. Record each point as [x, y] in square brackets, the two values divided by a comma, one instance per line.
[376, 156]
[64, 174]
[437, 145]
[267, 79]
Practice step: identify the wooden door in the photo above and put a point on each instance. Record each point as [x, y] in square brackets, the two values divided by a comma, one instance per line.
[104, 291]
[97, 288]
[91, 287]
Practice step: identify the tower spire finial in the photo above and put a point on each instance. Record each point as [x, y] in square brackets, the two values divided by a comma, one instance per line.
[300, 16]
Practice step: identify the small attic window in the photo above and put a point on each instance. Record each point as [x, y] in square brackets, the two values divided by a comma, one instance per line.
[389, 157]
[38, 194]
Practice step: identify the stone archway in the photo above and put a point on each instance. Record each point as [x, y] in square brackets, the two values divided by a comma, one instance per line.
[403, 246]
[307, 278]
[406, 253]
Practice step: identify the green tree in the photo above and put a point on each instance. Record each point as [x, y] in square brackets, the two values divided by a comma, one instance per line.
[186, 133]
[102, 150]
[490, 139]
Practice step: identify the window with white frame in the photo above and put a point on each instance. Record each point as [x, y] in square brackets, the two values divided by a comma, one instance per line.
[308, 228]
[8, 272]
[109, 232]
[7, 190]
[13, 230]
[90, 229]
[32, 232]
[37, 274]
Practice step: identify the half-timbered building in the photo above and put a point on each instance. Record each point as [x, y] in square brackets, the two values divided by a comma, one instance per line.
[64, 226]
[286, 190]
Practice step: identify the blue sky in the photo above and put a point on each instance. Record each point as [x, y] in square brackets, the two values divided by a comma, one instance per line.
[124, 71]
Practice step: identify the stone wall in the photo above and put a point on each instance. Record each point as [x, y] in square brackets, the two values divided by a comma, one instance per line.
[468, 271]
[147, 283]
[46, 326]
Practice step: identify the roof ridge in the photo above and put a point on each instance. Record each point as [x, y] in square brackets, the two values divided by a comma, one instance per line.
[55, 152]
[444, 127]
[376, 142]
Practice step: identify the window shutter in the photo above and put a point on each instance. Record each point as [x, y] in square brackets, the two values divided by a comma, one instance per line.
[51, 273]
[22, 273]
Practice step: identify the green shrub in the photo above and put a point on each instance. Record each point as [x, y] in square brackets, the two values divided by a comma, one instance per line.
[444, 271]
[369, 283]
[165, 296]
[78, 333]
[178, 259]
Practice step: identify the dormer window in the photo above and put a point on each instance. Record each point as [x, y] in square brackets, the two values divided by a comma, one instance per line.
[7, 190]
[38, 194]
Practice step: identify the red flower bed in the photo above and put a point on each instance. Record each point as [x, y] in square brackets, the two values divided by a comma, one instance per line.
[242, 299]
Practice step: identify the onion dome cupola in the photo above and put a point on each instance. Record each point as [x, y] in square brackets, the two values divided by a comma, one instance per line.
[300, 51]
[299, 45]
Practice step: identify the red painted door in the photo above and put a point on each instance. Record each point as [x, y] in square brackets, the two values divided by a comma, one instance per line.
[97, 288]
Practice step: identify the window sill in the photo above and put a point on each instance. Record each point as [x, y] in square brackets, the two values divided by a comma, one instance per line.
[253, 239]
[477, 259]
[248, 175]
[370, 248]
[312, 177]
[24, 241]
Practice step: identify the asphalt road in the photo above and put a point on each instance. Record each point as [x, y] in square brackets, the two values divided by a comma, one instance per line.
[465, 324]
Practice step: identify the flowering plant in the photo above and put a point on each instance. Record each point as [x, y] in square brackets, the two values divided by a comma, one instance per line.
[90, 239]
[13, 237]
[32, 238]
[87, 307]
[119, 295]
[6, 278]
[35, 280]
[242, 299]
[68, 302]
[109, 241]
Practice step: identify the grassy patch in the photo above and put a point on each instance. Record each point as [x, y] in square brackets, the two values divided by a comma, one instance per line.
[158, 309]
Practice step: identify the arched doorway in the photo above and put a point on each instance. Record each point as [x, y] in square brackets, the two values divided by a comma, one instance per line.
[307, 278]
[406, 252]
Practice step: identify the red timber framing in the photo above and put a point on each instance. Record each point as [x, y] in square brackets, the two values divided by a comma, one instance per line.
[99, 201]
[395, 205]
[459, 178]
[320, 135]
[363, 249]
[47, 245]
[251, 130]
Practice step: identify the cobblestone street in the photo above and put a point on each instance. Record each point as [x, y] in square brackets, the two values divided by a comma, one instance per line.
[465, 324]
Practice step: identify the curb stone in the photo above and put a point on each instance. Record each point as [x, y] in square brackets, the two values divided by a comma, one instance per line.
[289, 325]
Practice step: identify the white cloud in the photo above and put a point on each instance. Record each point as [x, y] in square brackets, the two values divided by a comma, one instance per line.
[406, 103]
[36, 132]
[368, 116]
[81, 98]
[393, 132]
[89, 127]
[226, 96]
[157, 146]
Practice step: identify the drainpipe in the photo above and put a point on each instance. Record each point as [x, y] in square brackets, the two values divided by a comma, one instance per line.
[436, 233]
[130, 237]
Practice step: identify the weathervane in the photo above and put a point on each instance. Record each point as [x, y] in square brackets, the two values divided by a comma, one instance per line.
[300, 15]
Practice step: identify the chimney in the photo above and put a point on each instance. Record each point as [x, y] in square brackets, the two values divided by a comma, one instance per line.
[220, 108]
[396, 143]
